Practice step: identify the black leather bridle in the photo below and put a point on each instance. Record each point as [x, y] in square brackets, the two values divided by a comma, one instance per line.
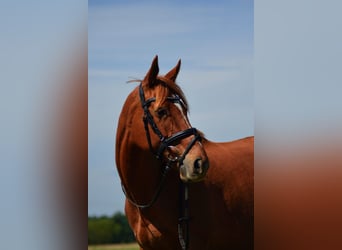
[166, 142]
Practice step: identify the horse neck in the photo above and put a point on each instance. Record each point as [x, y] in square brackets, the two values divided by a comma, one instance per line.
[142, 178]
[139, 170]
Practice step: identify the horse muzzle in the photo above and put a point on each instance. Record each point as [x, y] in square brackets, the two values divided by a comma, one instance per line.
[193, 169]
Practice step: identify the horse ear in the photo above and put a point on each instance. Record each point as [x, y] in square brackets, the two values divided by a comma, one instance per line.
[152, 73]
[172, 74]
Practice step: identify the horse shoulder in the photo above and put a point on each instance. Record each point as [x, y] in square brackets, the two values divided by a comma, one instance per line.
[149, 229]
[232, 171]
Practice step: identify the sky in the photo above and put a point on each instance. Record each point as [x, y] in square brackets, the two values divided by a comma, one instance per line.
[213, 39]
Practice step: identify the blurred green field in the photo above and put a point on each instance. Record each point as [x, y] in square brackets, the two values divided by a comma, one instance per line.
[130, 246]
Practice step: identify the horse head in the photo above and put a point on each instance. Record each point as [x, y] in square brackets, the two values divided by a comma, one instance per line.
[169, 135]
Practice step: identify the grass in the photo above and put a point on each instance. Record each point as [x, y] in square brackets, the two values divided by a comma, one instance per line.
[130, 246]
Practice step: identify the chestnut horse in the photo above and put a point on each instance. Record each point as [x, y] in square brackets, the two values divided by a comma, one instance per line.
[174, 200]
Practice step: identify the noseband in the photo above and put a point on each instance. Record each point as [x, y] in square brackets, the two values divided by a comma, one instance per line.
[165, 142]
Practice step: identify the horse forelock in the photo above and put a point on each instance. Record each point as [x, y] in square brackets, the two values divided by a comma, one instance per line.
[163, 88]
[174, 89]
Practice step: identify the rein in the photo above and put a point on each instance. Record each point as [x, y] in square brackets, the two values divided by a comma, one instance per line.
[165, 142]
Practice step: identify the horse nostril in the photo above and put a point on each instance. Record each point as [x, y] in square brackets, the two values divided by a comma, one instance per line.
[198, 164]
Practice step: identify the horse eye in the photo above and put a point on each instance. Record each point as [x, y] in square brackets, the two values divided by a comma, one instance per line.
[161, 112]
